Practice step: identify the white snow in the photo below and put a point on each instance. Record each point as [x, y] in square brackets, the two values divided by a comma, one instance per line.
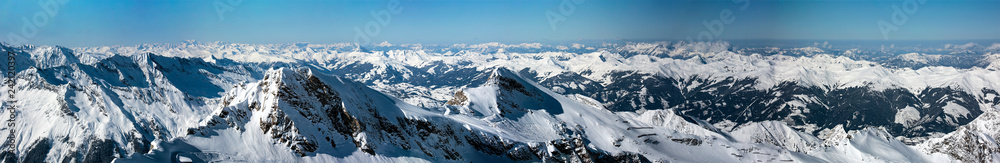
[907, 115]
[955, 110]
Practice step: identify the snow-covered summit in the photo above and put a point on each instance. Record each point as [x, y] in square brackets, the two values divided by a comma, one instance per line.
[506, 95]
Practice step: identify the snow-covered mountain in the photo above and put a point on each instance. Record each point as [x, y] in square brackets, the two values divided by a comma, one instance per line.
[620, 101]
[974, 142]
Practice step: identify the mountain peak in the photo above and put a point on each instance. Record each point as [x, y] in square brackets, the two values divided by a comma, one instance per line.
[287, 74]
[505, 77]
[302, 111]
[53, 56]
[141, 57]
[359, 48]
[506, 94]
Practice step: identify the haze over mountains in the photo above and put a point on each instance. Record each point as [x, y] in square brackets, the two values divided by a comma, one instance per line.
[560, 102]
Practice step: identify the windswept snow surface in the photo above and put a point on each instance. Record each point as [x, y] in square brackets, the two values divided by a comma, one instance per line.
[601, 102]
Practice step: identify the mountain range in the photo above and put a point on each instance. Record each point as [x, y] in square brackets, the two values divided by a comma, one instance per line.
[599, 102]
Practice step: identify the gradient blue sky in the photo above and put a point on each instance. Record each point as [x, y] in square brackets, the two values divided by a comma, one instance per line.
[112, 22]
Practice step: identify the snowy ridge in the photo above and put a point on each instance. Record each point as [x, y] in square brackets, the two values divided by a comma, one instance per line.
[870, 145]
[778, 134]
[287, 115]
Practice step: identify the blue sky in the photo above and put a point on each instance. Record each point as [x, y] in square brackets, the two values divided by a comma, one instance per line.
[110, 22]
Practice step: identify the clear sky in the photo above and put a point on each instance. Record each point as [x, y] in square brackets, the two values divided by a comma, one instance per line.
[113, 22]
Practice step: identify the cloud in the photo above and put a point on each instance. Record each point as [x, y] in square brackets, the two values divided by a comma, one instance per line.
[966, 46]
